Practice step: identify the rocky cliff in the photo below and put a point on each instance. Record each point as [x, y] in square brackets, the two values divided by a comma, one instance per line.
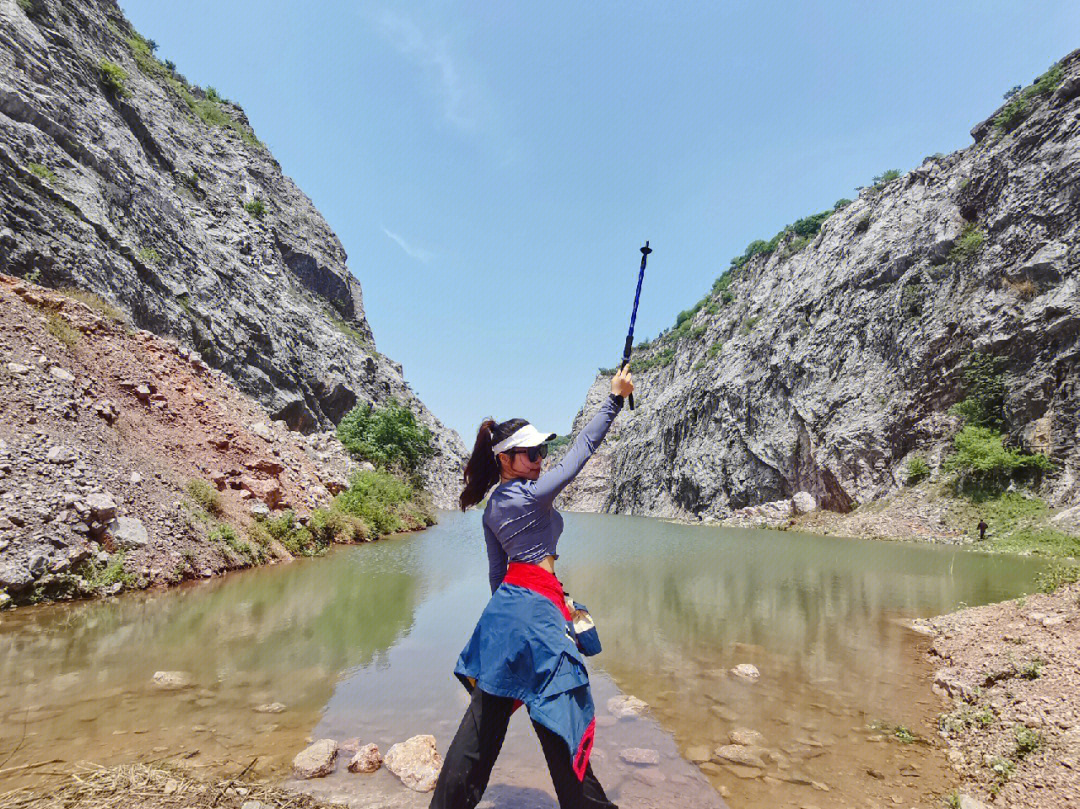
[827, 357]
[122, 178]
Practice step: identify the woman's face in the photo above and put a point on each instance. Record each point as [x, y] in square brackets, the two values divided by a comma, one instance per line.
[520, 466]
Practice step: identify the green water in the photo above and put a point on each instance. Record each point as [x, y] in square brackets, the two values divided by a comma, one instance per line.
[362, 643]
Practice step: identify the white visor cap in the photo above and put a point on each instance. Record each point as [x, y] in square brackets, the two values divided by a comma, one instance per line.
[527, 436]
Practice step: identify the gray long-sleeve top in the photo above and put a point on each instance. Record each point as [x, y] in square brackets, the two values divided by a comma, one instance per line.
[521, 523]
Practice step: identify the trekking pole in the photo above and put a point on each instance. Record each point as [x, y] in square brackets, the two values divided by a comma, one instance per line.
[633, 316]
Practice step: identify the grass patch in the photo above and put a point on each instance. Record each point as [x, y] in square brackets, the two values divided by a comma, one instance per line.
[349, 331]
[715, 349]
[61, 329]
[100, 576]
[661, 359]
[917, 469]
[205, 495]
[903, 735]
[256, 208]
[970, 242]
[1014, 113]
[1057, 575]
[226, 534]
[749, 324]
[44, 172]
[113, 77]
[149, 255]
[95, 302]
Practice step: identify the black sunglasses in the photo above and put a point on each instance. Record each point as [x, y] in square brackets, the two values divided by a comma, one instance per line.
[534, 453]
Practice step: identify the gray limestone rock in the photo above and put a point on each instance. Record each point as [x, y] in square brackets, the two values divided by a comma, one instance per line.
[147, 210]
[822, 368]
[128, 533]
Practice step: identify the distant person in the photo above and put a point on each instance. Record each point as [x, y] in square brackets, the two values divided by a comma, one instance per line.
[524, 649]
[982, 529]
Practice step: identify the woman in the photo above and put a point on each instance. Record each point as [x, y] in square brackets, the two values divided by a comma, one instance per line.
[523, 650]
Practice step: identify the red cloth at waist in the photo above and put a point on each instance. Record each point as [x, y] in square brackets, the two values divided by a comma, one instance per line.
[539, 580]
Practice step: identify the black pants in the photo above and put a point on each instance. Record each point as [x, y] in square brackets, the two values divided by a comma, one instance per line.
[476, 745]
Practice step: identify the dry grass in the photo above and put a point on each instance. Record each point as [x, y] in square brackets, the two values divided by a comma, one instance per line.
[61, 330]
[1025, 287]
[95, 302]
[141, 786]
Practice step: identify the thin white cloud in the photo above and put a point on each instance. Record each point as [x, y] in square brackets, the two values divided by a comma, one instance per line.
[460, 95]
[418, 253]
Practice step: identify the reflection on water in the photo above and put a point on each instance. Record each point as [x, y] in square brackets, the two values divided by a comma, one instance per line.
[78, 677]
[363, 644]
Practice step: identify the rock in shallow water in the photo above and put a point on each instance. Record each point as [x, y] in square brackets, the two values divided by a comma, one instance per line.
[172, 680]
[367, 759]
[416, 762]
[746, 671]
[626, 706]
[640, 756]
[317, 760]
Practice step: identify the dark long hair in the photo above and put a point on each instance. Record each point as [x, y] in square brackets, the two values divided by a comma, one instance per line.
[482, 470]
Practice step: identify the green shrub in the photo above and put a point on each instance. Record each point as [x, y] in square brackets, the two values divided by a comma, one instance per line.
[1014, 113]
[212, 95]
[917, 469]
[697, 332]
[383, 501]
[727, 296]
[1027, 741]
[1031, 670]
[149, 255]
[333, 525]
[389, 436]
[810, 225]
[982, 458]
[558, 442]
[794, 246]
[205, 496]
[843, 202]
[969, 243]
[42, 171]
[885, 178]
[721, 283]
[113, 77]
[256, 208]
[911, 299]
[715, 348]
[903, 735]
[170, 65]
[984, 386]
[296, 538]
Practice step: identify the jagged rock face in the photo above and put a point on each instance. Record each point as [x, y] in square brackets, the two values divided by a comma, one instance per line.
[132, 194]
[842, 359]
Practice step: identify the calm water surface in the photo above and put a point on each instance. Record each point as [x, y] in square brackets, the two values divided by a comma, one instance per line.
[363, 642]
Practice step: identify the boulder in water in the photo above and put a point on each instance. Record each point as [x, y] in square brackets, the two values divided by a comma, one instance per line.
[416, 762]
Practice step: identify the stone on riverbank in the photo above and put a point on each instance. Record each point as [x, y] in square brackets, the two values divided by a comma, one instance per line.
[317, 760]
[270, 707]
[416, 762]
[626, 707]
[367, 759]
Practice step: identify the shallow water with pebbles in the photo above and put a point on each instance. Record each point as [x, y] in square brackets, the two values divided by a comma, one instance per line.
[362, 644]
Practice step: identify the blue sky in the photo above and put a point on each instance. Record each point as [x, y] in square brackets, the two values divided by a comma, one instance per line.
[492, 168]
